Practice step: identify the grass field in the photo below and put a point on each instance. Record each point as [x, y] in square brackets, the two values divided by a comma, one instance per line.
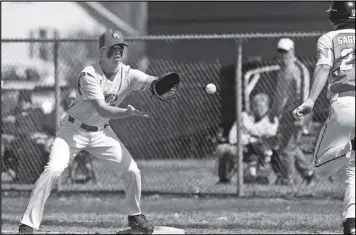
[103, 214]
[192, 177]
[314, 209]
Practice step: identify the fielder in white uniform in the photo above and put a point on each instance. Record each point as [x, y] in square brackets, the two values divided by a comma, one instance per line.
[335, 148]
[101, 88]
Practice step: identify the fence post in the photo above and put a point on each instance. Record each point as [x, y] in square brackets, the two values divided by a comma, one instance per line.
[238, 106]
[57, 92]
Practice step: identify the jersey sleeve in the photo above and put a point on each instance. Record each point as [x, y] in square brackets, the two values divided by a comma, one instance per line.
[89, 87]
[325, 51]
[137, 79]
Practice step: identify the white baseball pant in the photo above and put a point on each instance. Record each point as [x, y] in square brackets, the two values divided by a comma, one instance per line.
[333, 148]
[104, 145]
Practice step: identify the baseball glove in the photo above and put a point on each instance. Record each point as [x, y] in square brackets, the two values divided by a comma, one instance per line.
[165, 86]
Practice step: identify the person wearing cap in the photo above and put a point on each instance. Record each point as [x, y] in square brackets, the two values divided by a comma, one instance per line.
[292, 87]
[25, 124]
[101, 87]
[335, 67]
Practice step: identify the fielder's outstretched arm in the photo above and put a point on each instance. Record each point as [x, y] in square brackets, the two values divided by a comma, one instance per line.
[113, 112]
[140, 80]
[89, 89]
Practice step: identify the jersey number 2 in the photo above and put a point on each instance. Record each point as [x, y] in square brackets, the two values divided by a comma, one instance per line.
[347, 55]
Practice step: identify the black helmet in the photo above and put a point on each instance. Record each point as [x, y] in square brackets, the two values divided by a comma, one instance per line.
[342, 12]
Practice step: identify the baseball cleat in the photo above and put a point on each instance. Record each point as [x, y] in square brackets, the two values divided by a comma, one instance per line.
[140, 222]
[349, 226]
[25, 229]
[310, 179]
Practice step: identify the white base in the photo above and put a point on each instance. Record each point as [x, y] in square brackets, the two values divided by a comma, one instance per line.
[40, 232]
[158, 230]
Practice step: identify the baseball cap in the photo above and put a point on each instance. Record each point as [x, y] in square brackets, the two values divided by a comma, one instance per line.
[111, 38]
[285, 44]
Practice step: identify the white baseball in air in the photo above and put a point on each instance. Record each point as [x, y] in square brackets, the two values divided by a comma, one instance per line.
[210, 88]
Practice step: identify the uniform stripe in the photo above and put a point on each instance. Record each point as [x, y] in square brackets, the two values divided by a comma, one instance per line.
[305, 81]
[80, 76]
[331, 160]
[322, 137]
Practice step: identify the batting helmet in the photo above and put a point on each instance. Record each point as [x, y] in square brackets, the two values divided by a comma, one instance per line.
[342, 12]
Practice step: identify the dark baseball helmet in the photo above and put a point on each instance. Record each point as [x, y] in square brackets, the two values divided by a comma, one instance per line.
[341, 12]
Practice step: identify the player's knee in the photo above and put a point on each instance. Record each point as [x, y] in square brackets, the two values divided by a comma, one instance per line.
[55, 170]
[326, 170]
[133, 168]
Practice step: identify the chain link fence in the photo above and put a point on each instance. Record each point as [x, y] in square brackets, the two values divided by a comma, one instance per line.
[176, 149]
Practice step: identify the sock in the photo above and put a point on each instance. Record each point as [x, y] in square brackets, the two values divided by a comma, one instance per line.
[349, 225]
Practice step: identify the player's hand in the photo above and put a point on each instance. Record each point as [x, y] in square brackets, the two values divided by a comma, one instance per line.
[303, 109]
[134, 112]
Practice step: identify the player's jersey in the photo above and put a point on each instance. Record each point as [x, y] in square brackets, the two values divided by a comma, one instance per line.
[337, 49]
[93, 84]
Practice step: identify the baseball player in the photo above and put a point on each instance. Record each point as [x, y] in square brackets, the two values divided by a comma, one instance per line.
[101, 88]
[335, 147]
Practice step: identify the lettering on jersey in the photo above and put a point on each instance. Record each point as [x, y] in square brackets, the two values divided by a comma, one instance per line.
[347, 59]
[110, 98]
[346, 39]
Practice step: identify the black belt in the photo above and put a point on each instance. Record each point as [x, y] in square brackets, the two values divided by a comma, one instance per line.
[85, 126]
[346, 93]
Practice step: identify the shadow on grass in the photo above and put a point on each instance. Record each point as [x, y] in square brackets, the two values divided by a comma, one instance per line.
[56, 223]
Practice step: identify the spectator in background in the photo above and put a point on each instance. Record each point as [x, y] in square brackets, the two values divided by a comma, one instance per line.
[25, 154]
[256, 129]
[68, 98]
[26, 117]
[292, 88]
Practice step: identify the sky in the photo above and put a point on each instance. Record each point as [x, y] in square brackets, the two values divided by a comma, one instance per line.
[17, 18]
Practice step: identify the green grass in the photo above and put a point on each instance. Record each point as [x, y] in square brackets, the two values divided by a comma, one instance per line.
[192, 176]
[104, 214]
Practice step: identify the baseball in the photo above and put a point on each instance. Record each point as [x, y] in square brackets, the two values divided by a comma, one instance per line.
[210, 88]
